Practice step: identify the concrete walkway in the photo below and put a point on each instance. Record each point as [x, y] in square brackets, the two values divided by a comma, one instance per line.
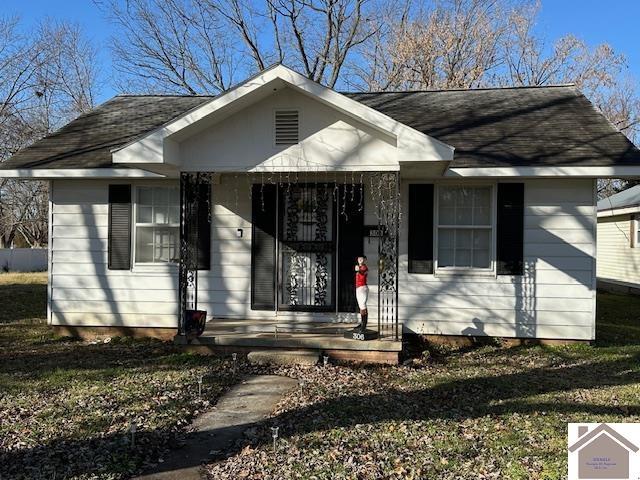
[241, 408]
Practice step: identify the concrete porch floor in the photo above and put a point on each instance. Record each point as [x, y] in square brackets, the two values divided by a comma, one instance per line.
[244, 335]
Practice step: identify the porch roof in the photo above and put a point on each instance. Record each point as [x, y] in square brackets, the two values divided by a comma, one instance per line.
[502, 127]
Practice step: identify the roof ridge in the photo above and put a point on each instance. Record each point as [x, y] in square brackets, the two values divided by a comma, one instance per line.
[347, 92]
[172, 95]
[436, 90]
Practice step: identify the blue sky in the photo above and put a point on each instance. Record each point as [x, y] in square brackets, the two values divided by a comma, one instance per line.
[595, 21]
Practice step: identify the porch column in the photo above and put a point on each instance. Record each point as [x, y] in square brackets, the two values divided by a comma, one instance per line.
[386, 193]
[192, 203]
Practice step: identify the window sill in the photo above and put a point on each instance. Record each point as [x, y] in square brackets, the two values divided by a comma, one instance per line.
[155, 268]
[465, 273]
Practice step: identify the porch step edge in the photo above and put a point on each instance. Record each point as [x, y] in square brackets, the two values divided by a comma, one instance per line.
[332, 343]
[283, 357]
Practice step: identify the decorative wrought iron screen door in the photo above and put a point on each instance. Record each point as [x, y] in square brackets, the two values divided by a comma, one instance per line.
[307, 247]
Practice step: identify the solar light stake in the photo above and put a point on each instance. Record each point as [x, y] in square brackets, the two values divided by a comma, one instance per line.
[200, 386]
[301, 387]
[234, 356]
[274, 434]
[325, 360]
[132, 429]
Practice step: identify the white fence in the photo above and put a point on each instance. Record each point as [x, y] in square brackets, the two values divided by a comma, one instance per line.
[23, 259]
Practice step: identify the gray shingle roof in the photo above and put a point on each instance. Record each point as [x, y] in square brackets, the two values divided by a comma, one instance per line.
[488, 127]
[627, 198]
[511, 126]
[86, 142]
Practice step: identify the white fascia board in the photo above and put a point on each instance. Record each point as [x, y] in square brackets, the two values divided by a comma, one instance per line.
[612, 212]
[584, 172]
[51, 173]
[416, 146]
[321, 168]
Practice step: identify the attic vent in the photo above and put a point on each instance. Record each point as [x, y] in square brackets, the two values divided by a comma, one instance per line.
[287, 127]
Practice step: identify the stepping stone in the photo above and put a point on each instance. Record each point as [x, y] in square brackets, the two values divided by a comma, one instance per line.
[283, 357]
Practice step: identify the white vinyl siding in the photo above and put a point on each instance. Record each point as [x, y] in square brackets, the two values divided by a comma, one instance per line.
[555, 298]
[83, 290]
[617, 260]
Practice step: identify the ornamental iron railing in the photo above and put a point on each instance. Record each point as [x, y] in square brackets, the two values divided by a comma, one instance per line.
[191, 201]
[385, 190]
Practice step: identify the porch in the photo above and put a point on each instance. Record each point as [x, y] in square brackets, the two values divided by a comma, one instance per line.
[225, 336]
[281, 255]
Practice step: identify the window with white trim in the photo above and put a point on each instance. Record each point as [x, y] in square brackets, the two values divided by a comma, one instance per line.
[635, 225]
[157, 224]
[465, 227]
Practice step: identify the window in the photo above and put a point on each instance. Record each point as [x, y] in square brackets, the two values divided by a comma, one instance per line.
[635, 231]
[465, 227]
[157, 224]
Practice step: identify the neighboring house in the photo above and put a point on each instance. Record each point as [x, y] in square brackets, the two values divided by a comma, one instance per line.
[602, 453]
[476, 208]
[619, 241]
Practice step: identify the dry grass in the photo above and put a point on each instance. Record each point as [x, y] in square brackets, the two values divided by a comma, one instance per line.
[66, 406]
[484, 413]
[17, 278]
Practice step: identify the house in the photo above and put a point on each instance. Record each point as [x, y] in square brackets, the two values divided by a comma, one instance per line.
[602, 453]
[619, 241]
[476, 210]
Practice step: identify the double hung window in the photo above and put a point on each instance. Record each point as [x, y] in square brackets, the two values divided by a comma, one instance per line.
[157, 225]
[465, 227]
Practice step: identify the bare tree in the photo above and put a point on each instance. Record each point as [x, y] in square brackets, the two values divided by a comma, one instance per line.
[47, 77]
[23, 213]
[205, 46]
[450, 44]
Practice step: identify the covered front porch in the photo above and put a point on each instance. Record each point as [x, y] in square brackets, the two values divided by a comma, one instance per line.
[282, 252]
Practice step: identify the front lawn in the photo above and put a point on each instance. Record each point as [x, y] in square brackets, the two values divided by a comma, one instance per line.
[66, 406]
[489, 412]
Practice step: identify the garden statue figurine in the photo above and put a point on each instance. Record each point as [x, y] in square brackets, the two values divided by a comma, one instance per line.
[362, 290]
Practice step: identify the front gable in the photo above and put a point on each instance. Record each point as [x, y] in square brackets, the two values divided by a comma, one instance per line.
[328, 140]
[235, 132]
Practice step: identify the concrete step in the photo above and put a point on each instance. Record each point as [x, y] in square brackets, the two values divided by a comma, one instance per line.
[283, 357]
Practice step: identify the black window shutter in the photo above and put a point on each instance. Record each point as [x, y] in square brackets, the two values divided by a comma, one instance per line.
[510, 229]
[204, 227]
[351, 244]
[119, 237]
[420, 228]
[263, 247]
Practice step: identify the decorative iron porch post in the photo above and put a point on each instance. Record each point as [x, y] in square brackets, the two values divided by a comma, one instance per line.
[190, 204]
[388, 204]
